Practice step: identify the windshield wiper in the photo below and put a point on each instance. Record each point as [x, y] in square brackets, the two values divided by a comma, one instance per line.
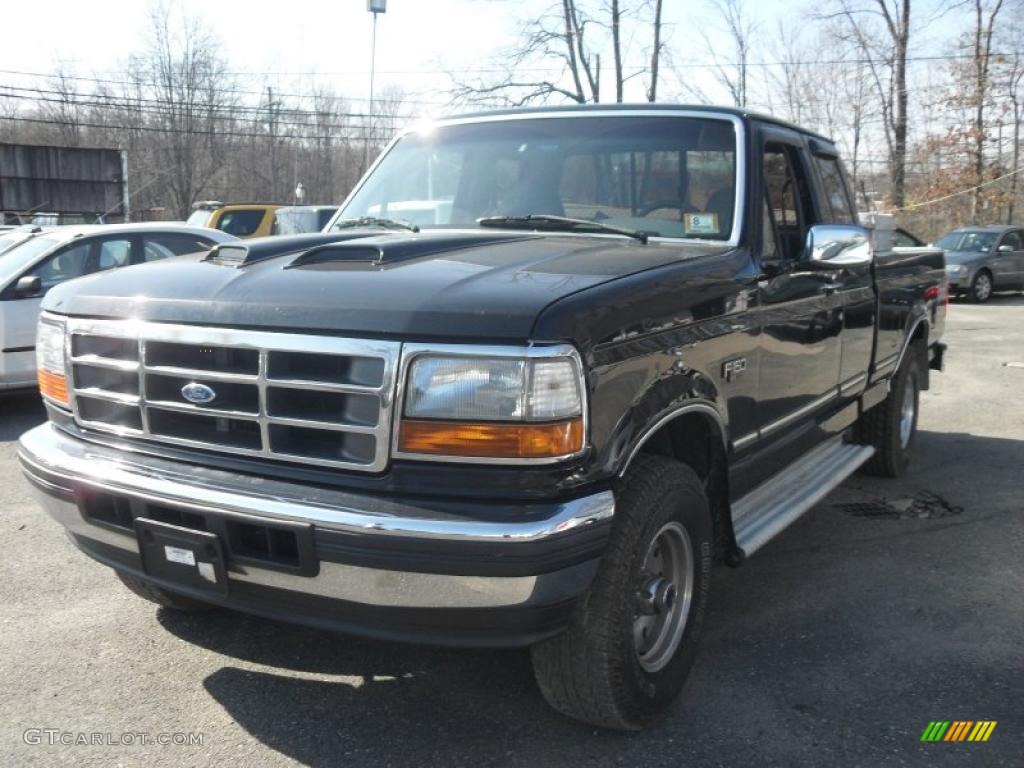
[374, 221]
[558, 224]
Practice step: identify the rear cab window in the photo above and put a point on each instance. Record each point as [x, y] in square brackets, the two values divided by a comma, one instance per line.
[839, 207]
[241, 223]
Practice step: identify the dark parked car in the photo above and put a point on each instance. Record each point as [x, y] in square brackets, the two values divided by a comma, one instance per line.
[612, 345]
[980, 260]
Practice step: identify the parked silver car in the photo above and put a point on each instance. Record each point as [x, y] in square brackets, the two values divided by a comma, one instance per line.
[44, 259]
[980, 260]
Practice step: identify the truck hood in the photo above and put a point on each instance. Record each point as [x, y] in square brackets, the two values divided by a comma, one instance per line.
[471, 285]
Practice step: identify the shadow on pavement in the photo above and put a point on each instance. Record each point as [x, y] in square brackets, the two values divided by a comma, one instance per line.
[882, 624]
[19, 412]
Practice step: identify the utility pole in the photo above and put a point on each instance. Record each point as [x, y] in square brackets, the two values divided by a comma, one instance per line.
[375, 7]
[273, 144]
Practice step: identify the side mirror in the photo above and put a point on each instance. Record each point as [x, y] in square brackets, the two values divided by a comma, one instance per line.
[1006, 249]
[28, 287]
[835, 246]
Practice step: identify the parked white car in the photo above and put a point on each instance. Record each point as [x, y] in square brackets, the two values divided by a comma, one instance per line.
[49, 257]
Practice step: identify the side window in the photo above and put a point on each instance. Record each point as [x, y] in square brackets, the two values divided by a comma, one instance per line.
[1013, 239]
[114, 252]
[162, 246]
[240, 223]
[65, 264]
[839, 210]
[789, 203]
[769, 241]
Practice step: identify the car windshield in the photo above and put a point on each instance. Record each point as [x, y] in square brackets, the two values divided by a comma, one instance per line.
[199, 217]
[6, 241]
[968, 241]
[22, 256]
[666, 176]
[298, 220]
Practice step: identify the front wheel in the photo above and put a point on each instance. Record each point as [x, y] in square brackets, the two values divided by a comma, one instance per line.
[633, 636]
[981, 287]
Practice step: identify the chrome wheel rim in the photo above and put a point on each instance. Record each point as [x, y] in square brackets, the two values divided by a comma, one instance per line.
[663, 597]
[907, 414]
[983, 287]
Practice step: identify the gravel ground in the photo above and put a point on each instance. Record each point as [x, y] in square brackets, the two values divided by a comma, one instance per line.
[891, 604]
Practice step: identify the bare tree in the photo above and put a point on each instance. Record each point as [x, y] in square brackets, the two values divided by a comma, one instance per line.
[652, 90]
[985, 15]
[731, 70]
[880, 31]
[190, 84]
[566, 42]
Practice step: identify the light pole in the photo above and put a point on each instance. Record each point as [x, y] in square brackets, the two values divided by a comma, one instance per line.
[375, 7]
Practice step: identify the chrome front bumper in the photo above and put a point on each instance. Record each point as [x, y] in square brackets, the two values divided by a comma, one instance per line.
[429, 556]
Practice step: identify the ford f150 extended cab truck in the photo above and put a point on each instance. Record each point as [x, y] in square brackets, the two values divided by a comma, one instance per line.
[542, 369]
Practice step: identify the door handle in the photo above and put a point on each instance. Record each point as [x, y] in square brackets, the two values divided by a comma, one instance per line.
[829, 288]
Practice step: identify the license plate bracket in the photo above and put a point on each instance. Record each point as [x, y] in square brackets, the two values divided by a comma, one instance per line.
[182, 555]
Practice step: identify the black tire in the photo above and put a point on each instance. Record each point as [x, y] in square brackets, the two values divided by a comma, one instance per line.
[981, 287]
[593, 672]
[880, 426]
[162, 597]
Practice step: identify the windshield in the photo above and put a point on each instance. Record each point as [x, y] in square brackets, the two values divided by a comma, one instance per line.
[199, 218]
[22, 256]
[667, 176]
[968, 241]
[6, 241]
[296, 221]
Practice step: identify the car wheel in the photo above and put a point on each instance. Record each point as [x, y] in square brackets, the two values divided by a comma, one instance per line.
[981, 287]
[633, 636]
[891, 426]
[162, 597]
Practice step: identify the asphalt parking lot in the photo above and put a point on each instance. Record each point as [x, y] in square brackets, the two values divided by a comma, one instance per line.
[891, 604]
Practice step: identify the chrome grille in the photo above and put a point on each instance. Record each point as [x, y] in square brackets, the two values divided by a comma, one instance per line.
[309, 399]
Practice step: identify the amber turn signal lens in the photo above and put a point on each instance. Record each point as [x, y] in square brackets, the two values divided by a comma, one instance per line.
[53, 386]
[497, 441]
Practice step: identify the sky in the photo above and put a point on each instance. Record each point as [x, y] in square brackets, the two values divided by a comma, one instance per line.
[289, 44]
[417, 39]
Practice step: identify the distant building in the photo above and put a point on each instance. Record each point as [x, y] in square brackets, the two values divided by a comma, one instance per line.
[62, 185]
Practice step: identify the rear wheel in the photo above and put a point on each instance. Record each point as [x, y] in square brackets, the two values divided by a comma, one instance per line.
[891, 426]
[981, 287]
[634, 635]
[162, 597]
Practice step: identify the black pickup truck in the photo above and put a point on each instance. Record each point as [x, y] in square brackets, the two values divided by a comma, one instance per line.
[542, 369]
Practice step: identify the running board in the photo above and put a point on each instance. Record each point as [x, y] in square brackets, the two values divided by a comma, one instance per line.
[767, 510]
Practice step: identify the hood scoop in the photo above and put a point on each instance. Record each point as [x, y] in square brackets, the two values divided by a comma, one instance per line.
[388, 251]
[241, 254]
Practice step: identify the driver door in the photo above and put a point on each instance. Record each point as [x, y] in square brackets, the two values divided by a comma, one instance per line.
[802, 319]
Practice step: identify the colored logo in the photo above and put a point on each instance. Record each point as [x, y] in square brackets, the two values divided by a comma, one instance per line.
[200, 394]
[958, 730]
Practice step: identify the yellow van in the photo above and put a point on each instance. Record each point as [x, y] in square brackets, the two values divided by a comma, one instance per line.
[238, 219]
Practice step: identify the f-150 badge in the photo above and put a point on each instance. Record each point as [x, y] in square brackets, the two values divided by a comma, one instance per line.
[731, 369]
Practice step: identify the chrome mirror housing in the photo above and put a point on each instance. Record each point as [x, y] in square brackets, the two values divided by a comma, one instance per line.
[834, 246]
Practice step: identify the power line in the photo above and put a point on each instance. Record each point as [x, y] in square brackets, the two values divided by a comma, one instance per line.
[225, 91]
[961, 192]
[164, 105]
[152, 129]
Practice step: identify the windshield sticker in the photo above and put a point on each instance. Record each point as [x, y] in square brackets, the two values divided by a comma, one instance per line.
[700, 223]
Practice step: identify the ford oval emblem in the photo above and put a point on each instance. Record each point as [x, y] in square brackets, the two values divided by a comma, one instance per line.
[197, 393]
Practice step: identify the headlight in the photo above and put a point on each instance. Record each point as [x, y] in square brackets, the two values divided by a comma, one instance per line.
[517, 408]
[50, 366]
[956, 269]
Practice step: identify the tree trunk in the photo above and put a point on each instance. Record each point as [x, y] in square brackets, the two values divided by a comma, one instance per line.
[617, 49]
[899, 159]
[652, 92]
